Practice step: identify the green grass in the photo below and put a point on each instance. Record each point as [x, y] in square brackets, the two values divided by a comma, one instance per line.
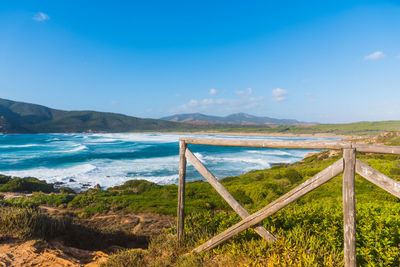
[355, 128]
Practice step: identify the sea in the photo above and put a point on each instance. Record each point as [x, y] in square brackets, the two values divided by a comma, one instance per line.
[81, 161]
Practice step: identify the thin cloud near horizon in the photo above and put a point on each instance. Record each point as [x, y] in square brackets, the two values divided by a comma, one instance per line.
[375, 55]
[40, 16]
[279, 95]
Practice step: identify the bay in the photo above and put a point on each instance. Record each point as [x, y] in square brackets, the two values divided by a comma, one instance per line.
[112, 159]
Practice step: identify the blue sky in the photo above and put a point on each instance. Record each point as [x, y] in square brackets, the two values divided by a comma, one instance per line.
[324, 61]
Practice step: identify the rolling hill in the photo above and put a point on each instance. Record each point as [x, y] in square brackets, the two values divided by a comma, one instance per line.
[20, 117]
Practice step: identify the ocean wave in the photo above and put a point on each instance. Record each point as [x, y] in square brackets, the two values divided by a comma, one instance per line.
[21, 146]
[102, 140]
[53, 174]
[262, 162]
[270, 152]
[68, 149]
[200, 157]
[76, 149]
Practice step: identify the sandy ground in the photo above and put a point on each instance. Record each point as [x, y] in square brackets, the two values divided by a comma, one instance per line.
[42, 253]
[55, 252]
[318, 135]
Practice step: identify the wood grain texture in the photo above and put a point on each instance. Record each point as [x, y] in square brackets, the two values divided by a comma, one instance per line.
[270, 143]
[299, 191]
[295, 144]
[377, 149]
[181, 192]
[242, 212]
[349, 208]
[377, 178]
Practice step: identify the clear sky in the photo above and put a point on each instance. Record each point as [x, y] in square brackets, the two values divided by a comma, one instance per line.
[324, 61]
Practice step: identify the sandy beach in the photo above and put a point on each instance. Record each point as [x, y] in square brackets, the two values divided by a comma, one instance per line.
[318, 135]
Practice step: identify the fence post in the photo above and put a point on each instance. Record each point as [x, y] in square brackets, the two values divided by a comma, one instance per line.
[181, 191]
[349, 208]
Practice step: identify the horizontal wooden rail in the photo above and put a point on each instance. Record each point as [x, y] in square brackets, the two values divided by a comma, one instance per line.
[290, 144]
[377, 149]
[269, 143]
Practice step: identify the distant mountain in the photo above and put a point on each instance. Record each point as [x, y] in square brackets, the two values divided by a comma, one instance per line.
[237, 118]
[19, 117]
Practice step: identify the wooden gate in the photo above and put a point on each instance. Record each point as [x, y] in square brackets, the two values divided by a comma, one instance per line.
[348, 165]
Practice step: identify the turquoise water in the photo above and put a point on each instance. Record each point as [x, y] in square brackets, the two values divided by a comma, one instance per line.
[112, 159]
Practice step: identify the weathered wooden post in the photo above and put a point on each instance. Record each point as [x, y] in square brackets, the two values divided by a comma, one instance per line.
[181, 191]
[349, 207]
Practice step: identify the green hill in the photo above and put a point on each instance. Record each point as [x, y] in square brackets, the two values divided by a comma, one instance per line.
[19, 117]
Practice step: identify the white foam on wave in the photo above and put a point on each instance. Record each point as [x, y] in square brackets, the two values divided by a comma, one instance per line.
[260, 162]
[119, 171]
[102, 140]
[108, 174]
[21, 146]
[53, 174]
[200, 157]
[274, 152]
[69, 149]
[133, 137]
[76, 149]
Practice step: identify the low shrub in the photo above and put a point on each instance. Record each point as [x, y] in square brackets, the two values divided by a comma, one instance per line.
[292, 175]
[24, 223]
[138, 186]
[4, 179]
[25, 185]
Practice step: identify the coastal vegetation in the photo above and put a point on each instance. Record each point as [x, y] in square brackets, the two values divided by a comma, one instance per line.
[29, 185]
[309, 231]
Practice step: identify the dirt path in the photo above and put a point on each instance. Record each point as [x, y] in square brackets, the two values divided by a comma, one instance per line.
[137, 227]
[60, 252]
[41, 253]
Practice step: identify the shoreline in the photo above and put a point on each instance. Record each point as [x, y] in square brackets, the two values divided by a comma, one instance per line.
[317, 135]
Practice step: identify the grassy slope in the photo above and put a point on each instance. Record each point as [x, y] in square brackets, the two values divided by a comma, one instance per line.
[356, 128]
[19, 117]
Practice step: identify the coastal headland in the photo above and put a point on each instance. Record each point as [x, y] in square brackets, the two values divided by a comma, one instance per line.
[131, 216]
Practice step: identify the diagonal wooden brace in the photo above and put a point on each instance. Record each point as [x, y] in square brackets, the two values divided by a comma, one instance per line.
[381, 180]
[242, 212]
[299, 191]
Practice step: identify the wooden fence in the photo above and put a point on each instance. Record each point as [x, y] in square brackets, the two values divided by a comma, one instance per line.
[348, 165]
